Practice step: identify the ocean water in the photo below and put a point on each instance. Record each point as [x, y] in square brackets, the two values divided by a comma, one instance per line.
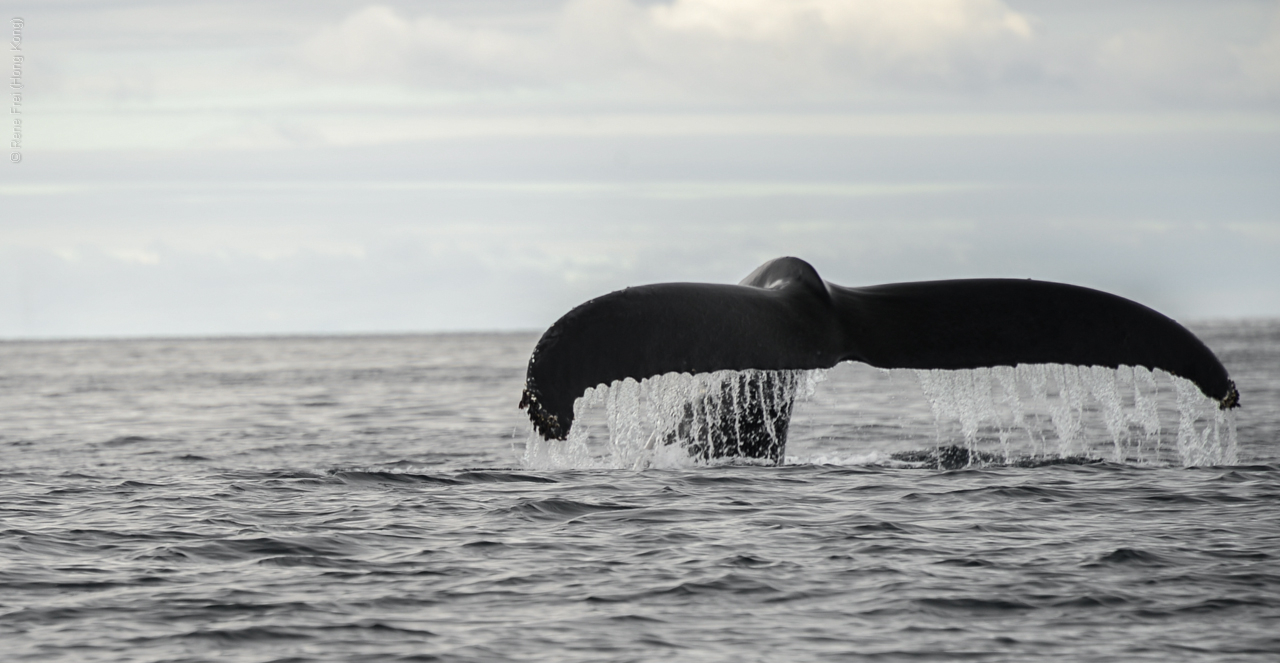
[379, 498]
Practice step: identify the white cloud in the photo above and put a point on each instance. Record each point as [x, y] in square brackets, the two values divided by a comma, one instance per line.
[377, 42]
[689, 47]
[377, 68]
[139, 256]
[1166, 64]
[889, 29]
[792, 53]
[1260, 63]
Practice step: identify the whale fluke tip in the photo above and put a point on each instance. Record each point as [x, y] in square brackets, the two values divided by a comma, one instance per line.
[547, 423]
[1232, 399]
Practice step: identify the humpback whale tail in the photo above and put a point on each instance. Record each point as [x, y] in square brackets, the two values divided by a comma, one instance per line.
[784, 317]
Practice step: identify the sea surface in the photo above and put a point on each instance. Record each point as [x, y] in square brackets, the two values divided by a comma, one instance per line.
[379, 498]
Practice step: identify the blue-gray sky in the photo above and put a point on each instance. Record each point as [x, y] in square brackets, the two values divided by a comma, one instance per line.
[282, 167]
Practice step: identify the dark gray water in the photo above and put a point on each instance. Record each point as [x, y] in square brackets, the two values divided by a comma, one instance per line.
[369, 498]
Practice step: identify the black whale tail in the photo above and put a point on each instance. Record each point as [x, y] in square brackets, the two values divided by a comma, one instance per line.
[785, 317]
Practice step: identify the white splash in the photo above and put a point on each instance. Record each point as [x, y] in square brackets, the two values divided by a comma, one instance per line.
[655, 422]
[996, 406]
[1028, 412]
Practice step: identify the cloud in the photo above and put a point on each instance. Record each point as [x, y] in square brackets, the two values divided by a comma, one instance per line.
[689, 48]
[376, 42]
[140, 256]
[1166, 64]
[831, 48]
[826, 53]
[872, 34]
[913, 23]
[1260, 63]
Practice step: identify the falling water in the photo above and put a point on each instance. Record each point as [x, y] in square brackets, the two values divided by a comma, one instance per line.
[1008, 414]
[995, 407]
[656, 422]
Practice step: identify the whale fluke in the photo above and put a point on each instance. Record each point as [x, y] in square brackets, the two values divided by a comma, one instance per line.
[783, 316]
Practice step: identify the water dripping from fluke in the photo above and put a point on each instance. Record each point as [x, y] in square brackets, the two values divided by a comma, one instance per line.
[1023, 416]
[682, 420]
[1093, 412]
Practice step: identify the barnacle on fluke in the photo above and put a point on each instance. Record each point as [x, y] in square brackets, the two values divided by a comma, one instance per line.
[546, 422]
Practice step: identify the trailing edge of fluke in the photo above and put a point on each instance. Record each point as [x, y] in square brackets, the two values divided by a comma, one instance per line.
[784, 316]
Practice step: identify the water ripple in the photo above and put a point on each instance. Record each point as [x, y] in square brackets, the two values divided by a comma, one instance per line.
[218, 501]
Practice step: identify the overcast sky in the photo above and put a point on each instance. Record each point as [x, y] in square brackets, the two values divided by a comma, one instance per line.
[284, 167]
